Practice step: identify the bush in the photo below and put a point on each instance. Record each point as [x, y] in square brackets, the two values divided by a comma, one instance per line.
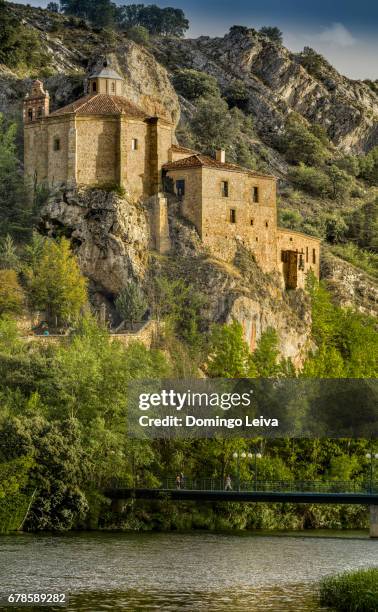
[193, 84]
[369, 166]
[273, 33]
[312, 180]
[236, 94]
[300, 144]
[131, 304]
[138, 34]
[351, 592]
[11, 294]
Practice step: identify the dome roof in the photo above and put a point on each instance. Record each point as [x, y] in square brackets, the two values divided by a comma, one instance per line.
[106, 73]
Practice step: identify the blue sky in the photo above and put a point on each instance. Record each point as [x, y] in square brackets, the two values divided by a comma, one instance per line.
[344, 31]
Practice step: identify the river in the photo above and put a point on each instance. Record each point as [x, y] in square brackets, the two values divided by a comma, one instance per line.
[186, 572]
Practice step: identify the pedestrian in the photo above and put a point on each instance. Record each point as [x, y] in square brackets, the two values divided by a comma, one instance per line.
[178, 481]
[182, 480]
[228, 483]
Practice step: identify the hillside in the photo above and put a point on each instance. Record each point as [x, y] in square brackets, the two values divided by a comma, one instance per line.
[266, 98]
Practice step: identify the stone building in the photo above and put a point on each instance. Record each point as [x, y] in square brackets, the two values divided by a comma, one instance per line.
[103, 139]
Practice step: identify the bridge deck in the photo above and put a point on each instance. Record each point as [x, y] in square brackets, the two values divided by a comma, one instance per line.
[307, 497]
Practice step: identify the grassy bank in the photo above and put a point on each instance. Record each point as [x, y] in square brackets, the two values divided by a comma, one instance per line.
[351, 592]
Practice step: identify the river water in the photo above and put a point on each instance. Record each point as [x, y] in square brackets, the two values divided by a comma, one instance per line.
[185, 572]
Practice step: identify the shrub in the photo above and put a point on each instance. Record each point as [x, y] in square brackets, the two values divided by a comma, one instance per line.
[236, 94]
[312, 180]
[351, 592]
[273, 33]
[299, 144]
[369, 166]
[131, 304]
[193, 84]
[139, 34]
[11, 294]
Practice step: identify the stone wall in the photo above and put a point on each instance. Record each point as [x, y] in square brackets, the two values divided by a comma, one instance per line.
[255, 222]
[97, 150]
[308, 249]
[136, 168]
[35, 152]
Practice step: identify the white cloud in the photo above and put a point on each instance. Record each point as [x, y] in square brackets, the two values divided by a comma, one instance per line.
[337, 34]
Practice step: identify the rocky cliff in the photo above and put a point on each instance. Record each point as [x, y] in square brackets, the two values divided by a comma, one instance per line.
[278, 83]
[111, 236]
[112, 240]
[277, 80]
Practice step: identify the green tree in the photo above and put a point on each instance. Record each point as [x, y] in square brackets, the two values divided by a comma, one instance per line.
[299, 144]
[193, 84]
[101, 13]
[166, 22]
[273, 33]
[138, 34]
[131, 303]
[228, 353]
[11, 294]
[53, 7]
[8, 253]
[264, 361]
[57, 285]
[340, 183]
[16, 214]
[236, 94]
[369, 166]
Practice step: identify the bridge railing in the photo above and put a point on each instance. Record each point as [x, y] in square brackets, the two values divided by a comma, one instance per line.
[273, 486]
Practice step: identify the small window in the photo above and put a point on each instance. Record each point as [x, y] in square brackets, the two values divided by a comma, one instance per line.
[113, 87]
[266, 224]
[30, 114]
[255, 194]
[134, 144]
[252, 221]
[180, 188]
[56, 144]
[232, 215]
[313, 256]
[291, 240]
[257, 238]
[306, 254]
[39, 111]
[224, 190]
[94, 87]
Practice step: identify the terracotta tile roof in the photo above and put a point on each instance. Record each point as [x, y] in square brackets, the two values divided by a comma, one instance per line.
[180, 149]
[101, 104]
[203, 161]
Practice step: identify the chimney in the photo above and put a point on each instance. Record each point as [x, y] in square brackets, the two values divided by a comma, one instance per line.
[220, 155]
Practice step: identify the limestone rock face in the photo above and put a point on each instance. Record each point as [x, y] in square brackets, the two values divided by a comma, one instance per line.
[278, 83]
[350, 286]
[243, 292]
[110, 235]
[74, 49]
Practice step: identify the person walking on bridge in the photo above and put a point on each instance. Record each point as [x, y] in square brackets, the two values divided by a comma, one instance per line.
[228, 483]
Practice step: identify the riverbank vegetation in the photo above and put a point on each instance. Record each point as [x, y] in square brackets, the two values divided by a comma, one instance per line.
[351, 592]
[63, 428]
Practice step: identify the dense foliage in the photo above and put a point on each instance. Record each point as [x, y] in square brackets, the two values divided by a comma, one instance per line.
[63, 426]
[351, 592]
[105, 13]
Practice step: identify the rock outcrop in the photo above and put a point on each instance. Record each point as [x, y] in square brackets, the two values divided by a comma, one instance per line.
[278, 83]
[350, 286]
[109, 234]
[111, 237]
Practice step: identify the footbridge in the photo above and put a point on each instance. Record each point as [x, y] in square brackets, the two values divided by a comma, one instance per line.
[215, 490]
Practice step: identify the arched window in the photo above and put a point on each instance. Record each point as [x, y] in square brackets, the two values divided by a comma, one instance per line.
[56, 144]
[30, 114]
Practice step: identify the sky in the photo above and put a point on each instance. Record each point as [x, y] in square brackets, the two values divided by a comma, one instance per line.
[344, 31]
